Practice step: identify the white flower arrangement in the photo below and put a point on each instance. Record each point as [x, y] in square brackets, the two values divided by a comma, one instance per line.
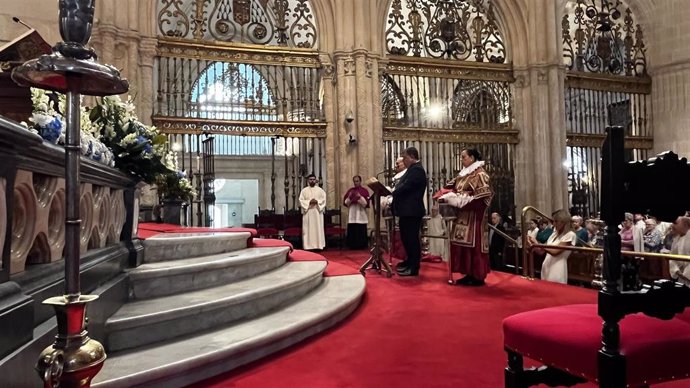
[111, 134]
[50, 124]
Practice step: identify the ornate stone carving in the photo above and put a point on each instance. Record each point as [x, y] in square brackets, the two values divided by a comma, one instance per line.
[349, 66]
[369, 67]
[521, 81]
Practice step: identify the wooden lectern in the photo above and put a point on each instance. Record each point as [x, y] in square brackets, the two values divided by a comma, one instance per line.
[15, 100]
[376, 260]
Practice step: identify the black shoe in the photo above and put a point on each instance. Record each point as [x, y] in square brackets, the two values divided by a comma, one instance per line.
[476, 283]
[408, 272]
[464, 281]
[401, 265]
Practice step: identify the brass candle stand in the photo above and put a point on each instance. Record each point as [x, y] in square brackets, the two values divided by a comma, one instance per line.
[74, 358]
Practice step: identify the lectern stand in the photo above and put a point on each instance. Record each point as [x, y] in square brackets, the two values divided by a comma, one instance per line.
[376, 260]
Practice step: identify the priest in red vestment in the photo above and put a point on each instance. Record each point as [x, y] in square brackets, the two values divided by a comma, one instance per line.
[471, 194]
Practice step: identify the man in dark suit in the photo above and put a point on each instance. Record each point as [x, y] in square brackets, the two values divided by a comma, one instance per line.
[408, 206]
[496, 242]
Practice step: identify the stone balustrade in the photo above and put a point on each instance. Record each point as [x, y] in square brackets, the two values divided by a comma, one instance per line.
[32, 201]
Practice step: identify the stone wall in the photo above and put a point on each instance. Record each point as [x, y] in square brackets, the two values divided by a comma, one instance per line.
[669, 55]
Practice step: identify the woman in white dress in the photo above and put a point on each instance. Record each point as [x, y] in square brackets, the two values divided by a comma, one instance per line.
[555, 266]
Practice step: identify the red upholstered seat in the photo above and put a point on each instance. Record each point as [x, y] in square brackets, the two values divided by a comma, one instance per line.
[569, 337]
[293, 232]
[334, 231]
[267, 232]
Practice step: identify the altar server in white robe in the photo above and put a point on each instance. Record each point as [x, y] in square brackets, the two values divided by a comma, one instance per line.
[312, 201]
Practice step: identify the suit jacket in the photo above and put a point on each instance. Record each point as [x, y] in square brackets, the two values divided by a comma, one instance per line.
[497, 242]
[408, 196]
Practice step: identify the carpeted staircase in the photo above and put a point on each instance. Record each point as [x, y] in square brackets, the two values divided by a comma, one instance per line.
[206, 303]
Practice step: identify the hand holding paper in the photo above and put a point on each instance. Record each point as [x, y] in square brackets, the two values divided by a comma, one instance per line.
[457, 200]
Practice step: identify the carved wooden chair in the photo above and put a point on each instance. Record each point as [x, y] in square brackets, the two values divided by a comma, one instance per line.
[293, 227]
[333, 230]
[645, 335]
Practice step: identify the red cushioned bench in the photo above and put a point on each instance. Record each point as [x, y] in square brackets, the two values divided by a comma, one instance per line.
[569, 338]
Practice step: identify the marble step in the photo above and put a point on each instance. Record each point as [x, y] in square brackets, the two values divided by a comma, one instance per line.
[184, 361]
[143, 322]
[174, 246]
[173, 276]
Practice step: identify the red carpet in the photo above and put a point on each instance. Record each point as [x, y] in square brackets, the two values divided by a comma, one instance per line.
[411, 332]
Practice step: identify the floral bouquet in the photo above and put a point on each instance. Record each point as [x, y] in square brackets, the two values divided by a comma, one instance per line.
[48, 122]
[174, 184]
[138, 148]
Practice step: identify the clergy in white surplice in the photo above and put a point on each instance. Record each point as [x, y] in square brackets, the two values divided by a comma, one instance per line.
[312, 201]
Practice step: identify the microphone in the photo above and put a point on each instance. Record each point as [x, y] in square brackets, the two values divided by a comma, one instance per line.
[18, 20]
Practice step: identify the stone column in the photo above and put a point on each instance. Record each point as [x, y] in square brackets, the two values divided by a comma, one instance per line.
[105, 35]
[669, 63]
[358, 92]
[541, 178]
[328, 81]
[147, 94]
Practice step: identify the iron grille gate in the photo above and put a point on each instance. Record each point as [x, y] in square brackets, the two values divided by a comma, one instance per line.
[209, 176]
[265, 108]
[441, 159]
[606, 84]
[588, 112]
[441, 109]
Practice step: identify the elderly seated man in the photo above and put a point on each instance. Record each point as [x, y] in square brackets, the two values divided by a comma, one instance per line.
[680, 270]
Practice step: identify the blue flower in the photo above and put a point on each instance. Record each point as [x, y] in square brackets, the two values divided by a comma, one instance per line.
[89, 151]
[51, 132]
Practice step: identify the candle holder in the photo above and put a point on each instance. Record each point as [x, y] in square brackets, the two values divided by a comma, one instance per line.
[73, 359]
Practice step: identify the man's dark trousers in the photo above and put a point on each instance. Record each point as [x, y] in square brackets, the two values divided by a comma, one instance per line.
[409, 234]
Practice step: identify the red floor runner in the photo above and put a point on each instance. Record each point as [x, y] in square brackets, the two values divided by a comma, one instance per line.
[411, 332]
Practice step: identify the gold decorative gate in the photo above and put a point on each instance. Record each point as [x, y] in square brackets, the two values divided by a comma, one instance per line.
[248, 73]
[447, 87]
[606, 84]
